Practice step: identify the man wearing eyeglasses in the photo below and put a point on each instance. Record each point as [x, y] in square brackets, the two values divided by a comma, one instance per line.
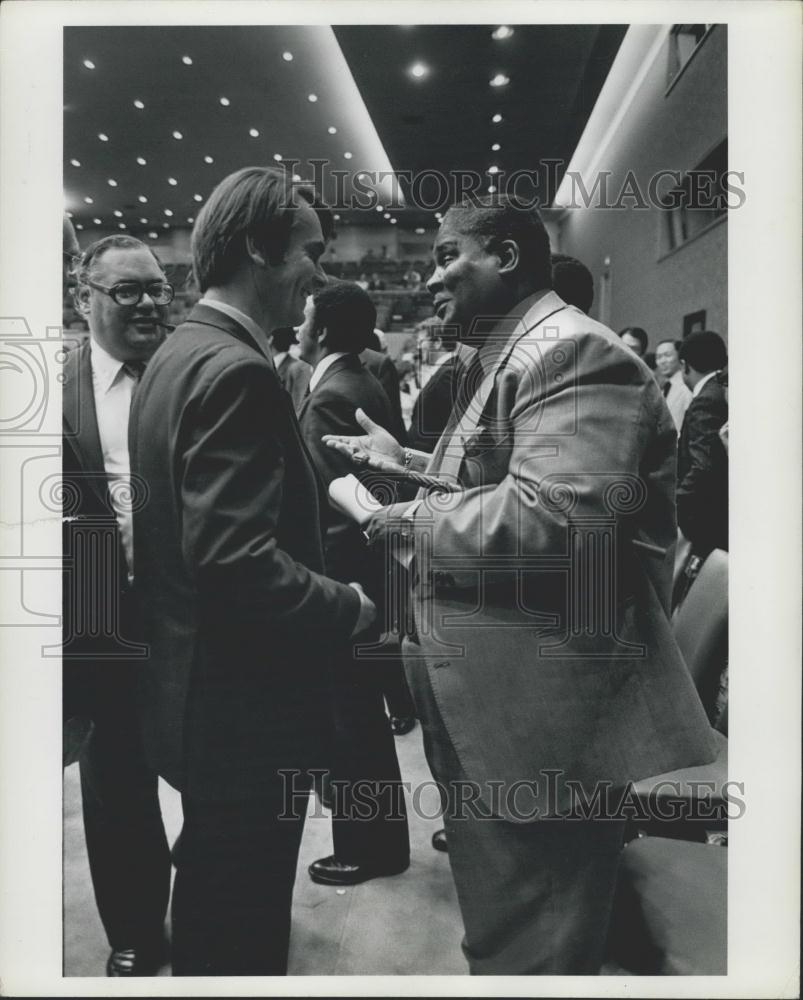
[122, 293]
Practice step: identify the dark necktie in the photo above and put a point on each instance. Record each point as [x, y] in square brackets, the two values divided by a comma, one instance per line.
[134, 369]
[667, 388]
[468, 382]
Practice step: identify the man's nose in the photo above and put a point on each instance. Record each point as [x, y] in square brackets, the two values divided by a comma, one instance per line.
[435, 281]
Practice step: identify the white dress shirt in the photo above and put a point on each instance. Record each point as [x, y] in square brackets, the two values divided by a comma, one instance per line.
[324, 365]
[678, 398]
[112, 388]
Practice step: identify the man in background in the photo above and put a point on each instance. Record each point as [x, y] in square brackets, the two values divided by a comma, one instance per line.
[123, 294]
[702, 493]
[670, 378]
[293, 373]
[635, 338]
[572, 281]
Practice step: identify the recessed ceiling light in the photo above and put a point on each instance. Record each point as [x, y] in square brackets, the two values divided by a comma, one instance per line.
[97, 222]
[386, 215]
[208, 159]
[277, 157]
[496, 118]
[287, 56]
[347, 155]
[493, 169]
[168, 211]
[254, 133]
[332, 130]
[139, 104]
[419, 70]
[190, 219]
[153, 235]
[144, 222]
[439, 215]
[225, 101]
[89, 201]
[186, 60]
[165, 225]
[68, 214]
[198, 197]
[78, 225]
[177, 135]
[297, 178]
[496, 147]
[103, 137]
[112, 182]
[121, 225]
[491, 189]
[172, 181]
[312, 98]
[142, 198]
[75, 163]
[419, 231]
[117, 213]
[336, 218]
[89, 64]
[500, 80]
[501, 33]
[380, 208]
[141, 161]
[393, 222]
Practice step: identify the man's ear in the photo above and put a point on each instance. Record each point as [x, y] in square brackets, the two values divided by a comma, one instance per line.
[508, 253]
[322, 334]
[81, 298]
[257, 256]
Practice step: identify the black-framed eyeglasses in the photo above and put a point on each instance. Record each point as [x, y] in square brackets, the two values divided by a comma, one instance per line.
[130, 293]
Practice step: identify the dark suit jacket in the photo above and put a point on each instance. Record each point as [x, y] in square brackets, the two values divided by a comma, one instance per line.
[565, 454]
[384, 371]
[294, 375]
[329, 409]
[98, 629]
[433, 406]
[702, 495]
[229, 567]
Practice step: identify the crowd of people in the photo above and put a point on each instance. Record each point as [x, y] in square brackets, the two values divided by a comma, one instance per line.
[287, 557]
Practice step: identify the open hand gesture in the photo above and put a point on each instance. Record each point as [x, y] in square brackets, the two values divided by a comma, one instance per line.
[376, 449]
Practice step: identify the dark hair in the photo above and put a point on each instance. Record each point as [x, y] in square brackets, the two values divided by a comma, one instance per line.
[283, 337]
[572, 280]
[348, 315]
[96, 250]
[704, 351]
[639, 334]
[669, 340]
[495, 218]
[255, 202]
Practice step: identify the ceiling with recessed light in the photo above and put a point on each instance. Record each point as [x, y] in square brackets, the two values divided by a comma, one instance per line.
[155, 117]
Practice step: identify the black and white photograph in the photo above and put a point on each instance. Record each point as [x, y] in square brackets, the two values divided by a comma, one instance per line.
[402, 603]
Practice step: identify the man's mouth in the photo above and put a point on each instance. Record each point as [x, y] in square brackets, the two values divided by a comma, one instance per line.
[145, 322]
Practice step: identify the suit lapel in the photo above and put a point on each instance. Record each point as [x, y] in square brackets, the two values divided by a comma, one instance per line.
[448, 456]
[80, 418]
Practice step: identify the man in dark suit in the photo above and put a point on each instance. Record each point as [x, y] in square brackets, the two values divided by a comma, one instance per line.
[384, 371]
[122, 292]
[702, 494]
[293, 373]
[541, 680]
[236, 610]
[338, 320]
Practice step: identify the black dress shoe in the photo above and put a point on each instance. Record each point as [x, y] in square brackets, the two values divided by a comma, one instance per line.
[135, 961]
[439, 841]
[401, 725]
[330, 871]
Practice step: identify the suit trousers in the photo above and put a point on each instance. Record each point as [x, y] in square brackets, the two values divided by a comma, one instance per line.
[535, 897]
[233, 892]
[369, 817]
[129, 858]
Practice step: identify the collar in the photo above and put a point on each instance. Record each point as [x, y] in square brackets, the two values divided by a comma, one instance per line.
[323, 366]
[279, 358]
[516, 320]
[105, 368]
[242, 318]
[706, 378]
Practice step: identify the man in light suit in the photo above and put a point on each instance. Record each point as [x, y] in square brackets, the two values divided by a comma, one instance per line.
[669, 372]
[122, 292]
[236, 609]
[364, 769]
[543, 664]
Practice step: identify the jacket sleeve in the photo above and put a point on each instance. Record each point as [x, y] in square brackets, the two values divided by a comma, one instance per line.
[704, 465]
[575, 447]
[232, 483]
